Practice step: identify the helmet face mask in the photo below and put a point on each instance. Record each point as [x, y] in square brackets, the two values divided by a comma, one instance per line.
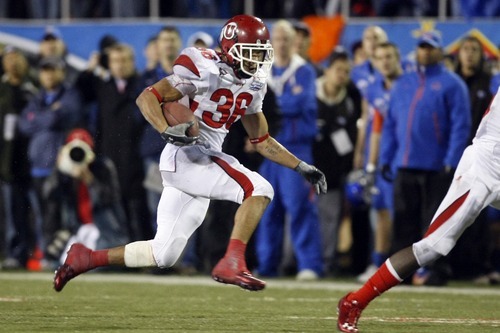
[251, 58]
[245, 42]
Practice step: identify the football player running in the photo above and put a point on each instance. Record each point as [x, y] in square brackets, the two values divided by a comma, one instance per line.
[475, 186]
[221, 88]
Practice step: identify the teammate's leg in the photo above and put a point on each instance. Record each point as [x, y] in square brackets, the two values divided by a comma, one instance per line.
[464, 201]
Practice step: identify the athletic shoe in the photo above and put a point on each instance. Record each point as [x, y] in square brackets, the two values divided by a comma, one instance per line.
[428, 277]
[494, 277]
[307, 275]
[228, 271]
[11, 263]
[367, 274]
[348, 315]
[490, 278]
[76, 263]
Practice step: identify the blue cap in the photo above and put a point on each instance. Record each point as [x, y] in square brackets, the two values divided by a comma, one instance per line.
[432, 38]
[51, 33]
[302, 27]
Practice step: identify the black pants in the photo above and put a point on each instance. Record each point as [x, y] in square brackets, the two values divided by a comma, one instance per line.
[16, 214]
[417, 195]
[49, 210]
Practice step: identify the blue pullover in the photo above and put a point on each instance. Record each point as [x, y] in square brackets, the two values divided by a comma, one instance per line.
[428, 122]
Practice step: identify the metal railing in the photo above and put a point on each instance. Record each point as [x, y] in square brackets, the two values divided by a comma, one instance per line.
[332, 7]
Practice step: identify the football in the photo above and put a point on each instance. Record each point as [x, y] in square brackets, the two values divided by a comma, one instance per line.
[176, 113]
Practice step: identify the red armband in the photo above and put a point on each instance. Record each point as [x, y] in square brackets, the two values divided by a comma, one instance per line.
[259, 140]
[156, 93]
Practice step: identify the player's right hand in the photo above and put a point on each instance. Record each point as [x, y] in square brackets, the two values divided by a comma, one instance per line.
[177, 135]
[313, 175]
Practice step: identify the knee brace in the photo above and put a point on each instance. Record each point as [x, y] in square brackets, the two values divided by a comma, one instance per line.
[139, 254]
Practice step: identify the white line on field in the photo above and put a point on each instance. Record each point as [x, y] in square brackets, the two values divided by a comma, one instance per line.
[272, 283]
[457, 321]
[463, 321]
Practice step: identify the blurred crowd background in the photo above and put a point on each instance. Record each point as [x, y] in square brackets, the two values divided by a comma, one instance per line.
[295, 9]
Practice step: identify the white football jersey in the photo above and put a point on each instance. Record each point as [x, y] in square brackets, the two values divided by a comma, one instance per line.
[220, 98]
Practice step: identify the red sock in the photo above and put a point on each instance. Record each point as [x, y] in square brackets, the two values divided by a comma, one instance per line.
[382, 280]
[99, 258]
[236, 249]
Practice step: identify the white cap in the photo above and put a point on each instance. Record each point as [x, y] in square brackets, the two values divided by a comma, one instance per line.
[201, 36]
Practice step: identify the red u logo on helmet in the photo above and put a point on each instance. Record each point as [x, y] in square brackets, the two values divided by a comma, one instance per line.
[229, 31]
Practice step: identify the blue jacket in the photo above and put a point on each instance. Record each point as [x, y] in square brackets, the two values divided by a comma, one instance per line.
[299, 108]
[428, 121]
[45, 123]
[364, 75]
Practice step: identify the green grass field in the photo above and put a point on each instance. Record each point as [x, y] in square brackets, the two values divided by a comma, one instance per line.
[99, 302]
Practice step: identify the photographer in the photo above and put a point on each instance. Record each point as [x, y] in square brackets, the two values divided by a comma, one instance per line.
[86, 190]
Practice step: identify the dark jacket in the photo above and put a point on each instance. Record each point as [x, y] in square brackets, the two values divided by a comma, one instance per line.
[333, 118]
[46, 124]
[107, 211]
[151, 144]
[480, 97]
[14, 164]
[119, 126]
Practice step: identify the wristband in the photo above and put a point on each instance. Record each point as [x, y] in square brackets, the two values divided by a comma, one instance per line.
[259, 140]
[156, 93]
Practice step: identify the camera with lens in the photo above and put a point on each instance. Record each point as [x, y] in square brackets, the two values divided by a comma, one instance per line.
[75, 155]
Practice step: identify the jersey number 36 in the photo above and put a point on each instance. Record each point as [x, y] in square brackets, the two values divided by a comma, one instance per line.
[225, 102]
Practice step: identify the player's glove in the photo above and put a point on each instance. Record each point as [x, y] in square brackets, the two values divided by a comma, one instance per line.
[313, 176]
[177, 135]
[369, 187]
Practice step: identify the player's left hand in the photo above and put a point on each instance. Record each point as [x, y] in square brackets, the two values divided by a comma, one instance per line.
[313, 175]
[177, 135]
